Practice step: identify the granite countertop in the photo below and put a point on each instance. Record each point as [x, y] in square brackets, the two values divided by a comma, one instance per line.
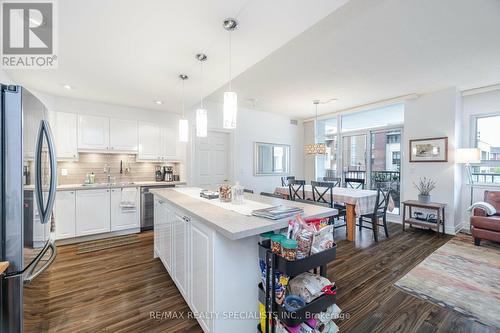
[235, 225]
[73, 187]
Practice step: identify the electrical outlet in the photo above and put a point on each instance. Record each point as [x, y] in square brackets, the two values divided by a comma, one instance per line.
[64, 172]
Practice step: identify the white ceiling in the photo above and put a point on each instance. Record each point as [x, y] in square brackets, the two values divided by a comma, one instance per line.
[369, 51]
[130, 52]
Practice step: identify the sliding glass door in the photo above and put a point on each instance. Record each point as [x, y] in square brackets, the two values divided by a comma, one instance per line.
[354, 157]
[385, 163]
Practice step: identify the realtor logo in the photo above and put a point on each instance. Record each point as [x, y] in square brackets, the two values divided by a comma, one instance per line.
[28, 35]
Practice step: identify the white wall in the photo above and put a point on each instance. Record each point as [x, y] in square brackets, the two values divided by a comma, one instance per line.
[476, 105]
[435, 114]
[257, 126]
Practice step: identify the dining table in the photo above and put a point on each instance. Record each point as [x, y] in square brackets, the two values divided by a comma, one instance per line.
[357, 201]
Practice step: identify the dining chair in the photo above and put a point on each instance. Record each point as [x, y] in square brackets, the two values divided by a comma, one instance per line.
[323, 193]
[379, 212]
[336, 181]
[286, 180]
[296, 189]
[246, 190]
[272, 195]
[355, 183]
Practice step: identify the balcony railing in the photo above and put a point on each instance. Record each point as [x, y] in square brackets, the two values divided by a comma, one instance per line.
[487, 178]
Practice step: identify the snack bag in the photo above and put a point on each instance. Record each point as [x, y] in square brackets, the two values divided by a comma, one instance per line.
[323, 239]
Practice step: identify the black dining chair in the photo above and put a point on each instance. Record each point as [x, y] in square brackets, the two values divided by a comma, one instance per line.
[296, 189]
[379, 212]
[336, 181]
[355, 183]
[322, 192]
[286, 180]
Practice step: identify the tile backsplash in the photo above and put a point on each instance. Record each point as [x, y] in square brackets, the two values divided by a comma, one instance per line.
[133, 171]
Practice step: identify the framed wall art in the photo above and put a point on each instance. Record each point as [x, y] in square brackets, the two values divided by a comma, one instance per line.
[429, 150]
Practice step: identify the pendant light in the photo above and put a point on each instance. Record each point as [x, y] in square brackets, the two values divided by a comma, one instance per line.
[315, 148]
[230, 97]
[183, 122]
[201, 113]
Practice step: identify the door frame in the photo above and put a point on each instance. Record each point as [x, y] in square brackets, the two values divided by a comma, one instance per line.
[192, 153]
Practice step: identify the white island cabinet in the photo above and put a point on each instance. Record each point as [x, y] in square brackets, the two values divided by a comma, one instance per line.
[212, 255]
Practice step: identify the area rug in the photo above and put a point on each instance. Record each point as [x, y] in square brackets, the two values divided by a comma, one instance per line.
[106, 243]
[462, 277]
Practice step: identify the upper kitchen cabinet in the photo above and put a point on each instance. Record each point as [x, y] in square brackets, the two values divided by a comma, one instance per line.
[109, 134]
[157, 143]
[93, 133]
[64, 127]
[123, 135]
[150, 139]
[169, 143]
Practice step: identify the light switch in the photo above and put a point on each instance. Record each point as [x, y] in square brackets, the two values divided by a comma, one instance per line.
[64, 172]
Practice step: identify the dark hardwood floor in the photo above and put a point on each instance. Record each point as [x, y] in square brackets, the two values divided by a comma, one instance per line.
[115, 290]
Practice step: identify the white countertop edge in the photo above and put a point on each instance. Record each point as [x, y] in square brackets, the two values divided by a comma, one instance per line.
[274, 224]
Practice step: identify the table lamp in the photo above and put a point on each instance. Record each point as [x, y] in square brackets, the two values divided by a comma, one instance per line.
[468, 156]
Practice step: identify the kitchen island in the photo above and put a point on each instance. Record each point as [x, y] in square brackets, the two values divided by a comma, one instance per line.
[211, 252]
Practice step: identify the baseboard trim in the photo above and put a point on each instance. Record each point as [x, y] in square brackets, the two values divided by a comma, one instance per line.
[97, 236]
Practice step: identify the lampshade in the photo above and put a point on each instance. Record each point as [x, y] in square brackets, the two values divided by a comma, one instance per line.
[315, 149]
[467, 155]
[230, 110]
[183, 130]
[201, 123]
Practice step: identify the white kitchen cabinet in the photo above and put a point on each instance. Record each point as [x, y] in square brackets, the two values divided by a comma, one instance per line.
[181, 252]
[64, 128]
[123, 135]
[93, 133]
[163, 219]
[168, 143]
[65, 214]
[149, 142]
[124, 218]
[92, 212]
[201, 271]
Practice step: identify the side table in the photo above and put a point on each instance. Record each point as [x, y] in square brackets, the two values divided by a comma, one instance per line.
[408, 207]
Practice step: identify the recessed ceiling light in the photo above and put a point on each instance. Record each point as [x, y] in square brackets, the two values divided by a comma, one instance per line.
[67, 87]
[159, 102]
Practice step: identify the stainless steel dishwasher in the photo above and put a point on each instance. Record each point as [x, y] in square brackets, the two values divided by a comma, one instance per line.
[147, 206]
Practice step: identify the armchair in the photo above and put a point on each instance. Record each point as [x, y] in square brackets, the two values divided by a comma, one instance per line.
[483, 226]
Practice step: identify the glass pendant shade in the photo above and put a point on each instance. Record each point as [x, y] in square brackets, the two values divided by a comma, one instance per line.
[230, 109]
[183, 130]
[315, 149]
[201, 123]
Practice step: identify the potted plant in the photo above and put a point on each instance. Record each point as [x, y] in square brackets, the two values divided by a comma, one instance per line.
[425, 186]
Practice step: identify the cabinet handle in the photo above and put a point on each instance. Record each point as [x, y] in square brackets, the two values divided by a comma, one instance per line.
[71, 192]
[161, 201]
[186, 219]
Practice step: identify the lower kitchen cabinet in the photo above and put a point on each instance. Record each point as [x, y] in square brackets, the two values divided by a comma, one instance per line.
[92, 212]
[123, 218]
[185, 247]
[181, 254]
[201, 271]
[65, 214]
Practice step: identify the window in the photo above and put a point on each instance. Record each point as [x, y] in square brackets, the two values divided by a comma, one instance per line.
[370, 119]
[486, 138]
[396, 158]
[271, 159]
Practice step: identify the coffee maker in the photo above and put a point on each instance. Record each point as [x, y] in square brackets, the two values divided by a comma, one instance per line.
[168, 173]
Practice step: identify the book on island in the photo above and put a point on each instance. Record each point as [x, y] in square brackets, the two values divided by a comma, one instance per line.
[277, 212]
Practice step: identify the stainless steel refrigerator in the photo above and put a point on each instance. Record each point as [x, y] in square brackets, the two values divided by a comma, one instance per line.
[28, 169]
